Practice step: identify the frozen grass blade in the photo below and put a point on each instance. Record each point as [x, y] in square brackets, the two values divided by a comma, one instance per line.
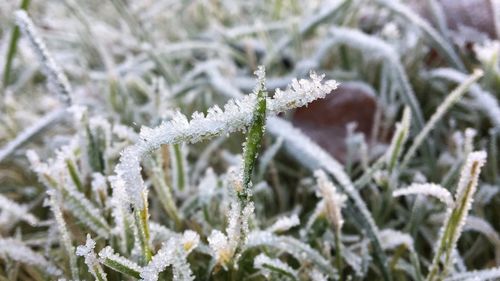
[11, 52]
[173, 253]
[294, 247]
[436, 39]
[487, 102]
[179, 167]
[254, 136]
[481, 275]
[379, 49]
[87, 251]
[164, 191]
[333, 203]
[75, 201]
[118, 263]
[267, 265]
[430, 189]
[18, 251]
[18, 211]
[456, 216]
[448, 102]
[237, 115]
[29, 133]
[141, 217]
[398, 140]
[55, 206]
[57, 80]
[284, 224]
[307, 26]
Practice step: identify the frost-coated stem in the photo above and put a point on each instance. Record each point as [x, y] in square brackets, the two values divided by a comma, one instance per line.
[237, 114]
[456, 217]
[57, 80]
[118, 263]
[254, 137]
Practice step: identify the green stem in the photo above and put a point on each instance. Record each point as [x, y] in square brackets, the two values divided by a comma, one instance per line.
[338, 253]
[11, 52]
[141, 219]
[164, 193]
[73, 172]
[179, 162]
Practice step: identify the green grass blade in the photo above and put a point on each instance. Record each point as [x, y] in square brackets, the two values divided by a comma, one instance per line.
[254, 136]
[11, 51]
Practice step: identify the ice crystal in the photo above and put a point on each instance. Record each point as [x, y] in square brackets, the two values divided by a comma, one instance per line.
[173, 253]
[87, 252]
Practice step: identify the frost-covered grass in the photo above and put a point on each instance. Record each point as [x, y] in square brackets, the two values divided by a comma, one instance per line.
[151, 140]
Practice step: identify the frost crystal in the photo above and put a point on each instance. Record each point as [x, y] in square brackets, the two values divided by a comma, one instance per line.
[487, 52]
[284, 224]
[172, 253]
[87, 251]
[470, 174]
[220, 246]
[190, 240]
[236, 115]
[108, 254]
[431, 189]
[333, 200]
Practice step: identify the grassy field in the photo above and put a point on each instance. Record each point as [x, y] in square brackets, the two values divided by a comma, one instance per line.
[249, 140]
